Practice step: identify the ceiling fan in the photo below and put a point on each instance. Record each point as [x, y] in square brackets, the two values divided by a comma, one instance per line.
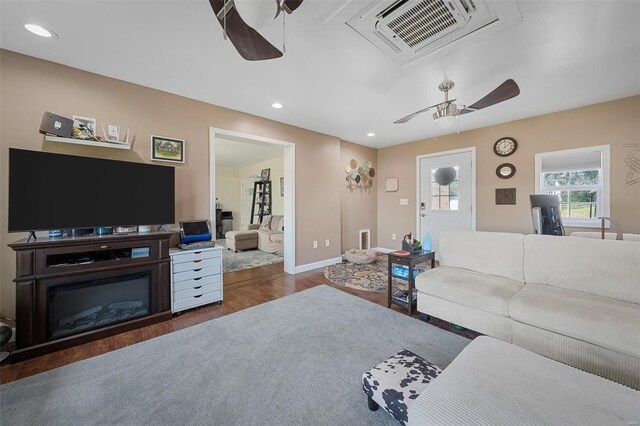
[447, 112]
[247, 41]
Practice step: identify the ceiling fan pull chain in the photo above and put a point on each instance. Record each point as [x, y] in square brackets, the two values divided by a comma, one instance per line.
[284, 33]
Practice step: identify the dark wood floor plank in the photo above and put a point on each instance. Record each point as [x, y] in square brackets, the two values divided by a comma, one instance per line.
[242, 290]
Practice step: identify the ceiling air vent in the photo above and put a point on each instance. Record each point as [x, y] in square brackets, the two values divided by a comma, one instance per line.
[408, 30]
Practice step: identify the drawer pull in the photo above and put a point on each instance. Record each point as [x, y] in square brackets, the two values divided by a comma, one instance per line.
[199, 278]
[195, 288]
[197, 252]
[198, 296]
[197, 270]
[197, 261]
[104, 247]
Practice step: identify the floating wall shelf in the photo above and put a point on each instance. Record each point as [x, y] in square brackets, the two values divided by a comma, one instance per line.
[88, 142]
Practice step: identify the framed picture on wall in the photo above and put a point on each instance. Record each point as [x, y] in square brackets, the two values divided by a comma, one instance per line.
[167, 149]
[265, 174]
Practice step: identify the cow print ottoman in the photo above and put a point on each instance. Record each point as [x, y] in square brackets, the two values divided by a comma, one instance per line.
[395, 383]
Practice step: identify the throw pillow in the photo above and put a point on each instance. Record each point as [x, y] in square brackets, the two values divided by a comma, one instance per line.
[266, 223]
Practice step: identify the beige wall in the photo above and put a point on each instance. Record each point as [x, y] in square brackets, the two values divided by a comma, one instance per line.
[615, 123]
[228, 192]
[30, 86]
[359, 209]
[277, 171]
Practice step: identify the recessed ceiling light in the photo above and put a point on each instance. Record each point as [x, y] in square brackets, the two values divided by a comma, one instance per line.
[40, 31]
[370, 134]
[277, 105]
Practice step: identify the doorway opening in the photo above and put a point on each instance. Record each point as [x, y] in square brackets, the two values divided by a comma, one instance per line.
[446, 192]
[365, 239]
[245, 190]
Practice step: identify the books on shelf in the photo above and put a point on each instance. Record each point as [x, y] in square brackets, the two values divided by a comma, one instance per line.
[403, 296]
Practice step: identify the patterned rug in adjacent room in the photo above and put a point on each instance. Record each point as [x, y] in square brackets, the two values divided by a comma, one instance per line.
[370, 277]
[247, 259]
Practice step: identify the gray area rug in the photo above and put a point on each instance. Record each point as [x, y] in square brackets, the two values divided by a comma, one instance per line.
[247, 259]
[293, 361]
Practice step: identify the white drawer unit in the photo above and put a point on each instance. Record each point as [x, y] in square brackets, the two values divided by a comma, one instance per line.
[196, 277]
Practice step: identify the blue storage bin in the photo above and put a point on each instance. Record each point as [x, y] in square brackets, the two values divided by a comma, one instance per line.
[401, 271]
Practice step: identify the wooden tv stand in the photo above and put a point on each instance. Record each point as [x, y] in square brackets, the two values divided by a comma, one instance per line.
[90, 266]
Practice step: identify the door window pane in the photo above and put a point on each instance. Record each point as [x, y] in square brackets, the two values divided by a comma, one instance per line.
[445, 197]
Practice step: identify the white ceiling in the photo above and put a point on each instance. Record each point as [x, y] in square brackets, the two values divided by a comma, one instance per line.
[564, 54]
[236, 154]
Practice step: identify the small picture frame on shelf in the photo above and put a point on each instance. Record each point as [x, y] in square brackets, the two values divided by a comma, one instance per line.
[167, 149]
[84, 127]
[265, 174]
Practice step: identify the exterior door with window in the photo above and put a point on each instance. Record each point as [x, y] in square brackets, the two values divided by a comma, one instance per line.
[446, 198]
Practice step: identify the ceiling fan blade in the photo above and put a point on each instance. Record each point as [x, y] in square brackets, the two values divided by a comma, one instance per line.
[507, 90]
[292, 4]
[247, 41]
[410, 116]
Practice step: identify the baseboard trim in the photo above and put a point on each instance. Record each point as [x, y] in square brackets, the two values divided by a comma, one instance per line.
[318, 265]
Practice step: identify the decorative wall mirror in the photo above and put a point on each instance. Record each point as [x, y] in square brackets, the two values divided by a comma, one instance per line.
[506, 170]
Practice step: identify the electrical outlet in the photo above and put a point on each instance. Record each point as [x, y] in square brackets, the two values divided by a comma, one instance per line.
[393, 237]
[315, 244]
[404, 202]
[113, 131]
[326, 242]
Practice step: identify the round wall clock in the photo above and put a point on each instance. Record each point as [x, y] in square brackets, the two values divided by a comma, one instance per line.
[504, 147]
[506, 170]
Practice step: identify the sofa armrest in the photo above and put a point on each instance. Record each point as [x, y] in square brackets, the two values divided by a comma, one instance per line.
[253, 226]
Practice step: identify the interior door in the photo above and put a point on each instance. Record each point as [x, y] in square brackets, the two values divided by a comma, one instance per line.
[446, 194]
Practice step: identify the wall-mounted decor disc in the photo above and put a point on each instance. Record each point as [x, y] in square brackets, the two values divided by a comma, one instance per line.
[506, 170]
[353, 174]
[369, 165]
[372, 172]
[353, 163]
[347, 168]
[504, 147]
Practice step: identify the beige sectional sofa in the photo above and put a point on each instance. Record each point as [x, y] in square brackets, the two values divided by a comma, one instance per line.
[271, 240]
[571, 299]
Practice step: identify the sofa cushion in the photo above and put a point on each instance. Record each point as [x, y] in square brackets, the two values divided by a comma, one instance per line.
[277, 223]
[600, 267]
[485, 292]
[495, 253]
[265, 225]
[598, 320]
[241, 235]
[495, 383]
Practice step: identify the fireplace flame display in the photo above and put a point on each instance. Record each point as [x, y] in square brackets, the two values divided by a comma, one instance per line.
[99, 316]
[78, 307]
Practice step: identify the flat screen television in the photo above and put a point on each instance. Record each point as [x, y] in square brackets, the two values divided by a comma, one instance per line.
[55, 191]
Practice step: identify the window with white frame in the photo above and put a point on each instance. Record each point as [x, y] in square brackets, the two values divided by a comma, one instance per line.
[580, 179]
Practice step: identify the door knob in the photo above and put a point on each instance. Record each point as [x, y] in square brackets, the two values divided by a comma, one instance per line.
[423, 214]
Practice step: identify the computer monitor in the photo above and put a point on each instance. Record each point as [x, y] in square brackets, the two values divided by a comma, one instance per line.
[545, 214]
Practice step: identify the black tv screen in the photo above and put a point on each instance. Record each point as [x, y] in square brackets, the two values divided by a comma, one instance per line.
[55, 191]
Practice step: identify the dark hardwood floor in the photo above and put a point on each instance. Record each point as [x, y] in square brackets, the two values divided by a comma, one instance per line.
[242, 289]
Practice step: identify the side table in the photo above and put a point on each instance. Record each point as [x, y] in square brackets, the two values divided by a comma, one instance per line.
[410, 261]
